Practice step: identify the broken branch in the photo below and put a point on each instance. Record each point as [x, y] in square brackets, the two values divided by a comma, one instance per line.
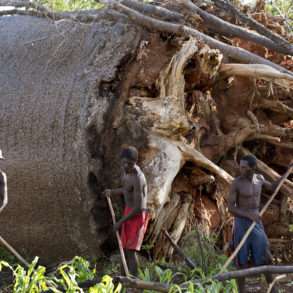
[178, 29]
[254, 271]
[228, 29]
[139, 284]
[188, 261]
[253, 24]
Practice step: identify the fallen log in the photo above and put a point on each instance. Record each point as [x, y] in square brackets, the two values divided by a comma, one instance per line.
[254, 271]
[139, 284]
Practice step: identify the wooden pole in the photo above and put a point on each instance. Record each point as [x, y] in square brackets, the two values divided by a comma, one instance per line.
[13, 251]
[188, 261]
[118, 238]
[239, 246]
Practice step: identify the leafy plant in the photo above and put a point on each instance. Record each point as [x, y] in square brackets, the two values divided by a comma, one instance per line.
[70, 5]
[282, 8]
[66, 278]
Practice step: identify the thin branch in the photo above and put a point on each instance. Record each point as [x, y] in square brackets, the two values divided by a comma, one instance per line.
[228, 29]
[277, 279]
[187, 260]
[275, 105]
[258, 71]
[153, 10]
[254, 271]
[139, 284]
[253, 24]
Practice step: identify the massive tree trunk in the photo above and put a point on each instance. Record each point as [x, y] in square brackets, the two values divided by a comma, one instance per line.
[54, 75]
[73, 93]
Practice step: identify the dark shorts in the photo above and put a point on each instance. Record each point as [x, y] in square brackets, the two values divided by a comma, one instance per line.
[256, 246]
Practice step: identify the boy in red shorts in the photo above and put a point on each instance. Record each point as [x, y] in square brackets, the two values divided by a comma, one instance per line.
[135, 218]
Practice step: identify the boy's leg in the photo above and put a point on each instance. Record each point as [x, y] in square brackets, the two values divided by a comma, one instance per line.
[132, 261]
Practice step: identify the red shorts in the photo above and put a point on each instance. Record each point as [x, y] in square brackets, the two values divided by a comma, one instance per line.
[133, 230]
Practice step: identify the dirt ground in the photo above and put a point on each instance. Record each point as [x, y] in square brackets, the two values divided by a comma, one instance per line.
[258, 285]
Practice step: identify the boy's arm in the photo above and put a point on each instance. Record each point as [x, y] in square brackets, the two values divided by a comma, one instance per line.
[138, 196]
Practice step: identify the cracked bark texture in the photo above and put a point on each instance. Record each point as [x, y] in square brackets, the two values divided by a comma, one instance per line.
[53, 76]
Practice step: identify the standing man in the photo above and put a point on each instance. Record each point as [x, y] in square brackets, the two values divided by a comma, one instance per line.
[3, 186]
[135, 218]
[244, 204]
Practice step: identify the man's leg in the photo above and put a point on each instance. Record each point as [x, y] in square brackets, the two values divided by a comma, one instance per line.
[132, 261]
[261, 253]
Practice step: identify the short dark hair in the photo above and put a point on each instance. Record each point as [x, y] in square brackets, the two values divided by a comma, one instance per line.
[251, 160]
[130, 153]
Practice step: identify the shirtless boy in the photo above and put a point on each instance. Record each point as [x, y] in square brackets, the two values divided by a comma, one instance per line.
[135, 218]
[244, 204]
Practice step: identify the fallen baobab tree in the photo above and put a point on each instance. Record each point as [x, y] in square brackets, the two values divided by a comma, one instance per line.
[77, 86]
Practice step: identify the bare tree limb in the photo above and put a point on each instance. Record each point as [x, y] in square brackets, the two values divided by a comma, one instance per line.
[253, 24]
[228, 29]
[254, 271]
[153, 10]
[188, 261]
[274, 105]
[258, 71]
[178, 29]
[139, 284]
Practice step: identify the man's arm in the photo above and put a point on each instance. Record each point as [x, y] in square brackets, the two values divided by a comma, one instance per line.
[3, 190]
[234, 209]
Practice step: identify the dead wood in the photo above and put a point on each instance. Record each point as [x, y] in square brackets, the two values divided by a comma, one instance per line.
[188, 261]
[253, 24]
[274, 105]
[153, 10]
[228, 29]
[179, 223]
[254, 271]
[258, 71]
[200, 160]
[178, 29]
[204, 179]
[139, 284]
